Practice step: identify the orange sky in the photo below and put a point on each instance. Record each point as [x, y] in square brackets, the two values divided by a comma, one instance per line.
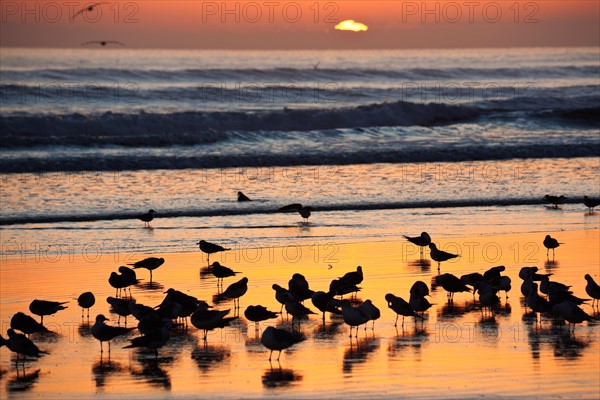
[303, 24]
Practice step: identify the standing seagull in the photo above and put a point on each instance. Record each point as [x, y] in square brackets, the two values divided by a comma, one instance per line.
[86, 300]
[592, 289]
[147, 217]
[106, 333]
[210, 248]
[236, 290]
[591, 203]
[422, 241]
[400, 307]
[43, 307]
[303, 211]
[354, 316]
[150, 263]
[257, 314]
[24, 323]
[555, 200]
[221, 271]
[439, 255]
[20, 344]
[550, 243]
[279, 339]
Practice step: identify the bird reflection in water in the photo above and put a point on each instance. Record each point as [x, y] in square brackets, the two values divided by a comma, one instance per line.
[23, 381]
[279, 377]
[151, 370]
[103, 368]
[420, 265]
[327, 332]
[208, 356]
[567, 346]
[358, 351]
[150, 285]
[551, 266]
[408, 339]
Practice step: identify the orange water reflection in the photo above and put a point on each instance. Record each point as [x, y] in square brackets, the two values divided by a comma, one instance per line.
[456, 347]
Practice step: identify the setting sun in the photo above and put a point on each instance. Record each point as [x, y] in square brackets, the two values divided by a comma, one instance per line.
[351, 25]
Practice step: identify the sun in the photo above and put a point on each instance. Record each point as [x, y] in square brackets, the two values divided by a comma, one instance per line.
[351, 25]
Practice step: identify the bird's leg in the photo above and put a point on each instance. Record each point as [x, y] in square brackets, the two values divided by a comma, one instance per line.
[270, 355]
[109, 347]
[101, 350]
[396, 322]
[279, 355]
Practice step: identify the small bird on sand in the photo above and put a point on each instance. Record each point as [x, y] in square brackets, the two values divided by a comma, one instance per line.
[257, 314]
[439, 255]
[592, 289]
[210, 248]
[86, 300]
[106, 333]
[44, 307]
[550, 243]
[591, 203]
[150, 263]
[279, 339]
[20, 344]
[422, 241]
[26, 324]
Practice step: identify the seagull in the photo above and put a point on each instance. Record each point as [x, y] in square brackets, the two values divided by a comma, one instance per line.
[297, 310]
[106, 333]
[341, 287]
[26, 324]
[86, 300]
[207, 320]
[354, 316]
[439, 255]
[150, 263]
[279, 339]
[537, 303]
[210, 248]
[303, 211]
[471, 279]
[353, 277]
[419, 288]
[153, 339]
[104, 43]
[451, 284]
[282, 295]
[236, 290]
[592, 289]
[400, 307]
[88, 8]
[371, 310]
[422, 241]
[591, 203]
[120, 307]
[242, 197]
[570, 312]
[221, 271]
[298, 287]
[555, 200]
[550, 243]
[257, 314]
[20, 344]
[325, 302]
[43, 307]
[531, 271]
[147, 217]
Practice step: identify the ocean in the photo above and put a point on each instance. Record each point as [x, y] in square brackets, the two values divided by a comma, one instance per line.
[93, 138]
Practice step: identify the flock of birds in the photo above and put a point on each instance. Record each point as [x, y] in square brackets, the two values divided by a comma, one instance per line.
[156, 323]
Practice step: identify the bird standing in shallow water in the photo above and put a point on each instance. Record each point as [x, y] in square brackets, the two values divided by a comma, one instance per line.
[24, 323]
[86, 300]
[592, 289]
[555, 200]
[106, 333]
[439, 255]
[20, 344]
[279, 339]
[422, 241]
[550, 243]
[304, 212]
[150, 263]
[210, 248]
[591, 203]
[147, 217]
[44, 307]
[236, 290]
[257, 314]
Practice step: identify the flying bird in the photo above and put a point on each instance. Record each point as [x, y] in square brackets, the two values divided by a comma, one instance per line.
[303, 211]
[88, 8]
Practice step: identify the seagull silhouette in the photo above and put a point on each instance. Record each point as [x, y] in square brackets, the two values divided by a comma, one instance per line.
[88, 8]
[299, 208]
[103, 42]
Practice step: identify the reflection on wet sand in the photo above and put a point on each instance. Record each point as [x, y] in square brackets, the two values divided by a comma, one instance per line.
[407, 338]
[23, 381]
[210, 356]
[151, 371]
[104, 367]
[357, 352]
[277, 377]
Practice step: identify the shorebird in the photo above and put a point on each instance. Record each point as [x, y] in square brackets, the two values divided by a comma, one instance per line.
[279, 339]
[419, 288]
[591, 203]
[298, 287]
[236, 290]
[153, 339]
[555, 200]
[86, 300]
[207, 320]
[487, 296]
[210, 248]
[341, 287]
[354, 316]
[242, 197]
[325, 302]
[570, 312]
[371, 310]
[129, 277]
[592, 289]
[257, 314]
[471, 279]
[150, 263]
[503, 284]
[221, 271]
[353, 277]
[550, 243]
[493, 273]
[400, 307]
[103, 42]
[188, 303]
[297, 310]
[120, 307]
[147, 217]
[439, 255]
[106, 333]
[303, 211]
[537, 303]
[531, 271]
[419, 304]
[422, 241]
[282, 295]
[43, 307]
[26, 324]
[89, 8]
[20, 344]
[451, 284]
